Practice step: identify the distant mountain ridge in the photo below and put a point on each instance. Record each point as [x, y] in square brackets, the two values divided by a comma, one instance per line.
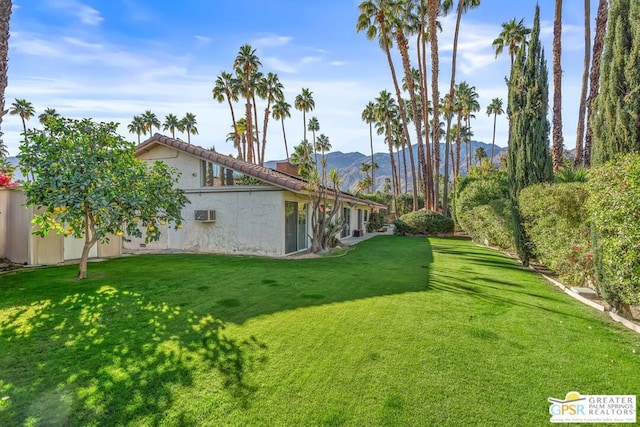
[348, 164]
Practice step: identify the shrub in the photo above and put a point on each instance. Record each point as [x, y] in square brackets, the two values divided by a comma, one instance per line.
[614, 209]
[376, 221]
[483, 209]
[423, 222]
[557, 222]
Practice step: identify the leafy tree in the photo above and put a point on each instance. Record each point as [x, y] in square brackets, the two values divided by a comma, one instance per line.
[48, 113]
[24, 109]
[137, 126]
[617, 119]
[171, 123]
[529, 161]
[90, 185]
[514, 35]
[188, 123]
[495, 108]
[5, 16]
[282, 110]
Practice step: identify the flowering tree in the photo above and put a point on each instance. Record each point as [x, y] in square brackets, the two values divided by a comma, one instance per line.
[5, 181]
[89, 184]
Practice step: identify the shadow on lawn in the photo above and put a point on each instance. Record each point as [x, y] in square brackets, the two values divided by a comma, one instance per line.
[114, 357]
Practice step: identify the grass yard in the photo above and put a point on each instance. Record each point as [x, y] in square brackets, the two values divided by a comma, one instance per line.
[400, 331]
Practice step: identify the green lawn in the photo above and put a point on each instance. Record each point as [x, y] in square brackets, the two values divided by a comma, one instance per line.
[399, 331]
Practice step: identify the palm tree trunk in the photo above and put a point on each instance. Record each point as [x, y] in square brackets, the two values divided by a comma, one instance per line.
[445, 195]
[399, 177]
[264, 129]
[257, 140]
[594, 75]
[304, 125]
[394, 182]
[458, 141]
[403, 46]
[249, 131]
[406, 177]
[188, 135]
[427, 161]
[493, 141]
[434, 7]
[284, 136]
[236, 137]
[5, 17]
[373, 180]
[585, 83]
[139, 138]
[557, 150]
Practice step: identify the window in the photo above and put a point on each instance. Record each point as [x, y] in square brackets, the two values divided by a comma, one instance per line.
[295, 226]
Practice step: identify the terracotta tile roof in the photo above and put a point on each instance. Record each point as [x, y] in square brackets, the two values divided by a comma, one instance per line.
[271, 176]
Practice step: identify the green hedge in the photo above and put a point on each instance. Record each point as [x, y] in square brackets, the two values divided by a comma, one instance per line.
[482, 207]
[423, 222]
[614, 207]
[557, 222]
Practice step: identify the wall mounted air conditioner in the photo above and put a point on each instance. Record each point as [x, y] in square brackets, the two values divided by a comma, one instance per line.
[205, 216]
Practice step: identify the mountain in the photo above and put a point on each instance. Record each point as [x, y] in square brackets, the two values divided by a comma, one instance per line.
[348, 164]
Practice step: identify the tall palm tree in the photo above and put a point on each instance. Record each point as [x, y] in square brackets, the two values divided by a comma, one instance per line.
[171, 123]
[469, 105]
[227, 87]
[5, 17]
[585, 83]
[495, 108]
[382, 19]
[594, 74]
[24, 109]
[557, 145]
[150, 120]
[514, 35]
[189, 123]
[433, 11]
[463, 7]
[369, 117]
[323, 145]
[386, 111]
[246, 66]
[301, 157]
[282, 110]
[269, 89]
[304, 102]
[49, 113]
[137, 126]
[314, 126]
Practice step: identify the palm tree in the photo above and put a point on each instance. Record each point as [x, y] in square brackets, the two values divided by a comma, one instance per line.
[304, 102]
[594, 74]
[239, 136]
[302, 158]
[469, 105]
[514, 34]
[137, 126]
[323, 145]
[5, 16]
[246, 66]
[49, 113]
[150, 120]
[227, 87]
[269, 89]
[24, 109]
[495, 108]
[382, 19]
[282, 110]
[433, 11]
[171, 123]
[585, 83]
[313, 126]
[365, 168]
[479, 155]
[386, 111]
[369, 117]
[463, 7]
[188, 124]
[557, 145]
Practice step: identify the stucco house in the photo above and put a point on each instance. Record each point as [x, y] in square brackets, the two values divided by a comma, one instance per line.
[237, 207]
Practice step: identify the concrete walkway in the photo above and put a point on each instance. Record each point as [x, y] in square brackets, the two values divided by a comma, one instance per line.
[355, 240]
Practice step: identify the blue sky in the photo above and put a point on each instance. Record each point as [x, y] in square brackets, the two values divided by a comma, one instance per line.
[113, 59]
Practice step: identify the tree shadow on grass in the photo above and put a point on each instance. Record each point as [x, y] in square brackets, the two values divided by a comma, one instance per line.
[114, 357]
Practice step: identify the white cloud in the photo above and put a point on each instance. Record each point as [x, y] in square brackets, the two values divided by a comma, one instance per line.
[86, 14]
[271, 41]
[202, 40]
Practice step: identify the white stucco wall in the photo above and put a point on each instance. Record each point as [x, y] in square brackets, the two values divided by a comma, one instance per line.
[188, 166]
[249, 220]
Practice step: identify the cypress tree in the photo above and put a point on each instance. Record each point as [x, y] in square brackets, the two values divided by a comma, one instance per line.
[529, 161]
[616, 122]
